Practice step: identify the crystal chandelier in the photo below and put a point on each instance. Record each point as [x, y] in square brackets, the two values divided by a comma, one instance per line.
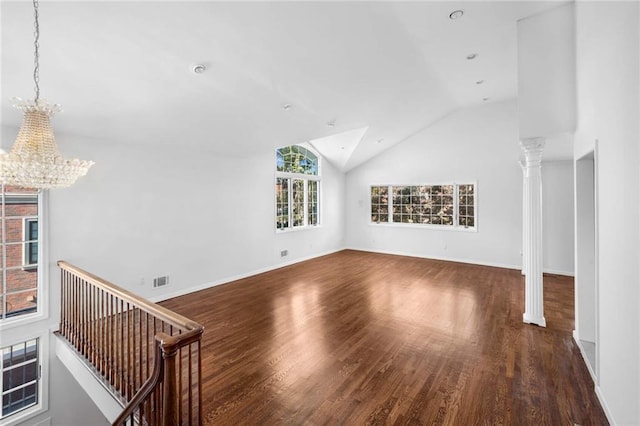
[34, 160]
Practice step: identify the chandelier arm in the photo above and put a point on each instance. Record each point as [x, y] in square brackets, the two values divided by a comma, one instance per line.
[36, 55]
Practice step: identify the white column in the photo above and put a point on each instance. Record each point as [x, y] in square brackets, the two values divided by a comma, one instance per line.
[532, 253]
[525, 218]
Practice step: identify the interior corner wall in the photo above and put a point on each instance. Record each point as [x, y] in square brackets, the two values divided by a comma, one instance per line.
[478, 144]
[546, 73]
[557, 217]
[149, 211]
[608, 77]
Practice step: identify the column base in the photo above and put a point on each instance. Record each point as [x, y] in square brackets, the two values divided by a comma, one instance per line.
[528, 319]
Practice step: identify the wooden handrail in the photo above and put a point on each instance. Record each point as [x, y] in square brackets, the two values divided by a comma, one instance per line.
[145, 390]
[114, 329]
[160, 312]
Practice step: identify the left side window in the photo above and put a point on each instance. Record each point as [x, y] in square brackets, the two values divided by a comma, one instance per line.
[20, 377]
[19, 247]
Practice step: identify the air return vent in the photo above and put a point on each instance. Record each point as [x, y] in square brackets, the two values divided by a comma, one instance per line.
[161, 281]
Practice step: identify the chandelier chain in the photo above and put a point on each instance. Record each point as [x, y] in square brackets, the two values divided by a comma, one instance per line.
[36, 56]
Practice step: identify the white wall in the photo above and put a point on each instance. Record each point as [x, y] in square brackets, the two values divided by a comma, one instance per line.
[477, 144]
[144, 212]
[607, 41]
[557, 217]
[546, 73]
[474, 144]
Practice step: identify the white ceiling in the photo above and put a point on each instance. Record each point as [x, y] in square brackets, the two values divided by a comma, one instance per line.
[379, 71]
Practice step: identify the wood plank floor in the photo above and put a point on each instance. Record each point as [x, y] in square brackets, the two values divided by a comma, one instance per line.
[360, 338]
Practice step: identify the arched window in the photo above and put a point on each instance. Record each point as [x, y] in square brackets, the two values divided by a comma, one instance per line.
[297, 188]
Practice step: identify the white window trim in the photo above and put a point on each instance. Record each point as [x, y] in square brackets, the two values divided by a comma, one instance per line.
[43, 337]
[455, 227]
[42, 311]
[26, 241]
[305, 178]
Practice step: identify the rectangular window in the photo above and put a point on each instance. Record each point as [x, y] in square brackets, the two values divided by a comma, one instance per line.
[312, 202]
[297, 203]
[467, 206]
[31, 241]
[282, 203]
[379, 204]
[19, 248]
[449, 205]
[20, 377]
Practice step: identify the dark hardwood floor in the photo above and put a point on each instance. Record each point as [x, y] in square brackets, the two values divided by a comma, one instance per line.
[360, 338]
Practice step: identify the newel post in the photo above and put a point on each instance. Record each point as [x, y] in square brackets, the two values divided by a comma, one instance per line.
[532, 250]
[170, 387]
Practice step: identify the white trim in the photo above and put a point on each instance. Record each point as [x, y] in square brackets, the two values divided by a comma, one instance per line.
[43, 383]
[603, 403]
[427, 226]
[227, 280]
[42, 311]
[446, 259]
[454, 226]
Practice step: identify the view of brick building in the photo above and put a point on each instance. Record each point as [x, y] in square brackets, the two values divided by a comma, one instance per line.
[19, 250]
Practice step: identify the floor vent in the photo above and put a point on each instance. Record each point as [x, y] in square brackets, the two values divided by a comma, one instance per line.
[161, 281]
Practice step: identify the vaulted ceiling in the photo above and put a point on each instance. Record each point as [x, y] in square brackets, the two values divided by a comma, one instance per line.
[357, 77]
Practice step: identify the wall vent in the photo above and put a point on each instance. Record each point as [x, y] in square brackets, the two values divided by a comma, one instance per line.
[161, 281]
[284, 253]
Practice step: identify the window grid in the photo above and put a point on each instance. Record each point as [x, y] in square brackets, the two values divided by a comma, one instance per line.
[449, 205]
[466, 206]
[297, 188]
[282, 203]
[18, 251]
[379, 204]
[312, 202]
[298, 202]
[20, 377]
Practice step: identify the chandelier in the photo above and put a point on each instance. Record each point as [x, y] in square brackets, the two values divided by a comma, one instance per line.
[34, 160]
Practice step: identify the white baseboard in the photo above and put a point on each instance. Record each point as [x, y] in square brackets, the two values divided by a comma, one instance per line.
[447, 259]
[227, 280]
[596, 386]
[605, 407]
[461, 260]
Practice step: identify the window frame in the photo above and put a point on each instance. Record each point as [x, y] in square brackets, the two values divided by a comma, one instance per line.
[27, 262]
[15, 337]
[291, 177]
[42, 309]
[454, 227]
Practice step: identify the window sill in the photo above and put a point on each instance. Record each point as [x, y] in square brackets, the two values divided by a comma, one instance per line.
[429, 227]
[21, 320]
[297, 229]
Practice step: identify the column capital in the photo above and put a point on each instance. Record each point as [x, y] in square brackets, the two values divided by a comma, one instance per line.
[532, 145]
[532, 148]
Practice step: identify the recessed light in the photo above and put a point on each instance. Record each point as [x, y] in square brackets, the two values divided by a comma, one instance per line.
[199, 68]
[456, 14]
[331, 123]
[472, 56]
[380, 140]
[342, 147]
[485, 99]
[479, 81]
[287, 107]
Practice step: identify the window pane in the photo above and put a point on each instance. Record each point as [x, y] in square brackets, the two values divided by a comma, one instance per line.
[312, 202]
[19, 376]
[282, 203]
[19, 244]
[298, 202]
[379, 204]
